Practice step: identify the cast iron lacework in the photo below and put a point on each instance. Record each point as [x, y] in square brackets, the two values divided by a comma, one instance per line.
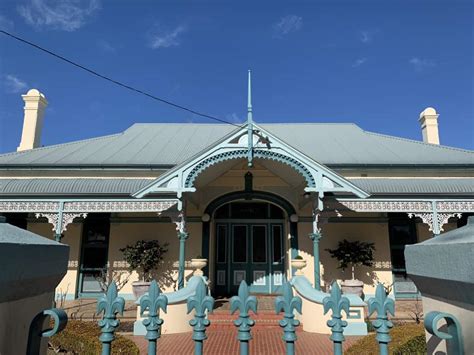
[240, 154]
[67, 218]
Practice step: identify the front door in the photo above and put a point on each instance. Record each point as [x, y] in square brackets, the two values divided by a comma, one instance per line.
[252, 252]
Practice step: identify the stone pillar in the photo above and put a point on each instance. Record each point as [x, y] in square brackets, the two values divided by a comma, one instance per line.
[35, 104]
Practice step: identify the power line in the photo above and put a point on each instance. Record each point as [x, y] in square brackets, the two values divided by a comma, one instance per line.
[90, 71]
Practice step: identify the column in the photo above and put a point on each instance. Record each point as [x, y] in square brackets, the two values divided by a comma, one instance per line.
[315, 237]
[182, 236]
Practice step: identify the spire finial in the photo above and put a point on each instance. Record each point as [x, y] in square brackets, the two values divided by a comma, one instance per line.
[249, 99]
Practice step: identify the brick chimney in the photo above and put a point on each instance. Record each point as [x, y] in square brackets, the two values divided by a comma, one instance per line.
[429, 125]
[35, 104]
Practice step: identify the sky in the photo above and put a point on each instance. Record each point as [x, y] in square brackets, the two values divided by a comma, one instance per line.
[377, 64]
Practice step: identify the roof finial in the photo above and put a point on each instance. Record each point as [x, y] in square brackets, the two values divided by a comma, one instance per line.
[249, 123]
[249, 99]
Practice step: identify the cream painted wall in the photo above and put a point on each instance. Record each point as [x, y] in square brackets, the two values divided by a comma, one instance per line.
[72, 237]
[122, 234]
[332, 233]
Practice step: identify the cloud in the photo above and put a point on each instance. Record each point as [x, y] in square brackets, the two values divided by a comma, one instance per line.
[160, 38]
[5, 23]
[287, 24]
[359, 62]
[367, 36]
[65, 15]
[420, 64]
[105, 46]
[14, 85]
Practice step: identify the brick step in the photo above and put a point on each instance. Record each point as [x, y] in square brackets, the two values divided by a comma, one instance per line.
[221, 319]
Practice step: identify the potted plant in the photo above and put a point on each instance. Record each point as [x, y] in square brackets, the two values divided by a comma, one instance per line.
[298, 263]
[198, 263]
[353, 253]
[143, 257]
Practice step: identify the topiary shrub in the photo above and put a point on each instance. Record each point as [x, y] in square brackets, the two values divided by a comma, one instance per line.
[81, 337]
[406, 339]
[144, 256]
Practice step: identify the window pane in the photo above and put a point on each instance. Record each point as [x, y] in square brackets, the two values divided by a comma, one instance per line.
[259, 244]
[277, 244]
[239, 244]
[276, 212]
[246, 210]
[221, 244]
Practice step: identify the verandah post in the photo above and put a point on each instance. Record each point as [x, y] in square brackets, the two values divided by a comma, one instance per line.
[183, 236]
[315, 237]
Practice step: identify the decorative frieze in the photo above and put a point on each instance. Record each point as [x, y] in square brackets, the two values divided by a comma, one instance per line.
[118, 206]
[29, 206]
[388, 206]
[455, 206]
[427, 219]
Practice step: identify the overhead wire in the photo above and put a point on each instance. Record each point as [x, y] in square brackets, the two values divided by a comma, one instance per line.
[116, 82]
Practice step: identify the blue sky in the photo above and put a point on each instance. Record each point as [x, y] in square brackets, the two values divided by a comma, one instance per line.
[377, 64]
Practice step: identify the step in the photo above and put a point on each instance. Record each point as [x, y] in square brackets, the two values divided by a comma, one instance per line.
[221, 319]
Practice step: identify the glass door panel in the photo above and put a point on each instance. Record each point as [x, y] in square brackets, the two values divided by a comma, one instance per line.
[238, 270]
[278, 258]
[260, 281]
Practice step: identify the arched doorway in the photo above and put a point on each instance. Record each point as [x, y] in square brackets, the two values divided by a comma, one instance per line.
[250, 239]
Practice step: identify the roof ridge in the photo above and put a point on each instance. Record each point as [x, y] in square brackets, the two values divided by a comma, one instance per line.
[61, 144]
[419, 142]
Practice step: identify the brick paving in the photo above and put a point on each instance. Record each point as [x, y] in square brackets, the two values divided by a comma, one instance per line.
[223, 342]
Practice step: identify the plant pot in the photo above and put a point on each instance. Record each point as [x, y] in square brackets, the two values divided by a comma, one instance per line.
[139, 288]
[298, 265]
[198, 264]
[355, 287]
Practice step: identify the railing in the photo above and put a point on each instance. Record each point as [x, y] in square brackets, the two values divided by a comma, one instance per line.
[201, 302]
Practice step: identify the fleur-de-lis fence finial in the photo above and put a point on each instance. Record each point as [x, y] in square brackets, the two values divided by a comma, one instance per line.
[336, 303]
[288, 304]
[110, 304]
[153, 301]
[383, 305]
[244, 303]
[201, 303]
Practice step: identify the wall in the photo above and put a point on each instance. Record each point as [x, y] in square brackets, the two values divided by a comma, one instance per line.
[16, 318]
[374, 232]
[72, 237]
[122, 234]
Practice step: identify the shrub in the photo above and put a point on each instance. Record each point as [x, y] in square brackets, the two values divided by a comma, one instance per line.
[354, 253]
[81, 337]
[144, 256]
[406, 339]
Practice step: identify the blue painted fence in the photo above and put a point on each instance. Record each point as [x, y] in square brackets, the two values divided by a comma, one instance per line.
[110, 304]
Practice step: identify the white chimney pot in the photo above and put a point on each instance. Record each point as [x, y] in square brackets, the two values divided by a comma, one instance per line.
[429, 125]
[35, 104]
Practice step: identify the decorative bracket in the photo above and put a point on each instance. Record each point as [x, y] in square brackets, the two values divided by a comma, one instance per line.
[434, 221]
[60, 223]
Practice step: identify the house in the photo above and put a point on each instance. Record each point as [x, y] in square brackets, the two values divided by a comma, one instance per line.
[248, 198]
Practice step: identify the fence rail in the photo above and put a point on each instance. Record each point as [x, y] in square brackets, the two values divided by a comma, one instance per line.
[111, 304]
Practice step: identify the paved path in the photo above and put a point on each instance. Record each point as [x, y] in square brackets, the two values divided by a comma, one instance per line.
[264, 342]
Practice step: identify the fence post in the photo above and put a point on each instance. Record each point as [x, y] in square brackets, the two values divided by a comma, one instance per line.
[36, 332]
[336, 303]
[288, 303]
[153, 301]
[454, 341]
[244, 303]
[383, 305]
[201, 303]
[110, 304]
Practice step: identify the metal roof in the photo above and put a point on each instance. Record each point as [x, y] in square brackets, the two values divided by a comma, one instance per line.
[89, 186]
[72, 186]
[168, 144]
[415, 185]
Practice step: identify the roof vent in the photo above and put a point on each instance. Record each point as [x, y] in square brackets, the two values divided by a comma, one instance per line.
[35, 104]
[429, 125]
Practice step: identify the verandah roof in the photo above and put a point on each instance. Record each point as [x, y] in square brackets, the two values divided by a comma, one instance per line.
[90, 186]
